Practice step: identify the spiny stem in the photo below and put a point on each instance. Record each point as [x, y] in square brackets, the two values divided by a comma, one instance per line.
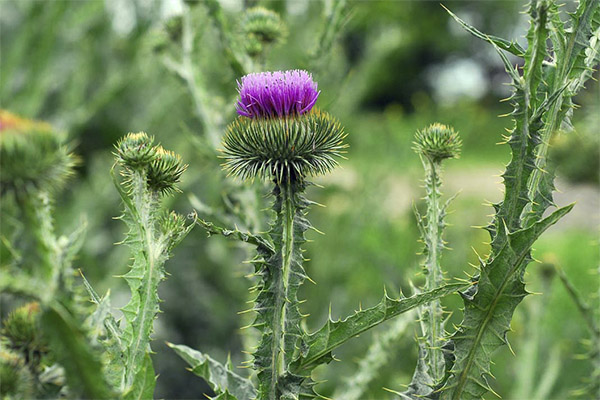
[39, 213]
[434, 243]
[282, 274]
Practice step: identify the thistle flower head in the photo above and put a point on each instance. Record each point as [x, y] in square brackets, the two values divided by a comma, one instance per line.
[437, 142]
[32, 155]
[21, 327]
[297, 146]
[264, 24]
[276, 94]
[165, 170]
[136, 150]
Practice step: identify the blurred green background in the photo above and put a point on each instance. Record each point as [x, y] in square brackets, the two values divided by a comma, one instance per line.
[100, 69]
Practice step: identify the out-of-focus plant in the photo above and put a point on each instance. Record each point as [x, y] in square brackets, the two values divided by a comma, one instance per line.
[591, 384]
[52, 347]
[278, 136]
[46, 345]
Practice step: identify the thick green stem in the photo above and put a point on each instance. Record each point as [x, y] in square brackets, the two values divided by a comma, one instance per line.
[147, 284]
[287, 247]
[39, 214]
[434, 243]
[277, 302]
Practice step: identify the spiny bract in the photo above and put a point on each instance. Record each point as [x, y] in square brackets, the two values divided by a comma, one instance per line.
[305, 145]
[438, 142]
[32, 155]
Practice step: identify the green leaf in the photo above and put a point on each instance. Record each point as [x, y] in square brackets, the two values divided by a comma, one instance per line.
[489, 310]
[235, 234]
[144, 382]
[221, 378]
[507, 45]
[71, 347]
[317, 347]
[356, 386]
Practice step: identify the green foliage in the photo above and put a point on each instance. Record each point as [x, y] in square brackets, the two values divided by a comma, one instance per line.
[74, 352]
[528, 193]
[591, 387]
[433, 144]
[148, 177]
[306, 145]
[377, 357]
[222, 379]
[318, 345]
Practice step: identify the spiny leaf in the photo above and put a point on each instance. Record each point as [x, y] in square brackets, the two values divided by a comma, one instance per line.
[488, 312]
[377, 356]
[144, 382]
[221, 378]
[507, 45]
[317, 347]
[245, 237]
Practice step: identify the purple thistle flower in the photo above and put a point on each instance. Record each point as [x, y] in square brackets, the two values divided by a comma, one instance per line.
[276, 94]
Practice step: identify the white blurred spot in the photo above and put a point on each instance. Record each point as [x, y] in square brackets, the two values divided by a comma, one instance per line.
[457, 79]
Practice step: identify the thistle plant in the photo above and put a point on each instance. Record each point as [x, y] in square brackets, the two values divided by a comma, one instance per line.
[279, 136]
[149, 173]
[46, 346]
[433, 144]
[557, 62]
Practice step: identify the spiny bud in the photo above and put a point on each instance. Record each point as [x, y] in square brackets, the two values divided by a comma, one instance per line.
[278, 134]
[172, 226]
[437, 142]
[21, 328]
[165, 170]
[136, 150]
[262, 27]
[32, 155]
[16, 378]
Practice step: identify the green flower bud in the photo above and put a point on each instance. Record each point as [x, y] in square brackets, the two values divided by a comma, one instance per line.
[16, 379]
[165, 170]
[437, 142]
[294, 146]
[21, 328]
[32, 155]
[136, 150]
[262, 27]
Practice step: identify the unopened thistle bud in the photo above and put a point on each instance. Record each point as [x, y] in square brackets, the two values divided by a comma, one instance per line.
[136, 150]
[262, 27]
[21, 328]
[165, 171]
[437, 142]
[278, 133]
[32, 155]
[16, 378]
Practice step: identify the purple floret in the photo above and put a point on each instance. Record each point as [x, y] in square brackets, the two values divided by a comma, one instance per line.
[276, 94]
